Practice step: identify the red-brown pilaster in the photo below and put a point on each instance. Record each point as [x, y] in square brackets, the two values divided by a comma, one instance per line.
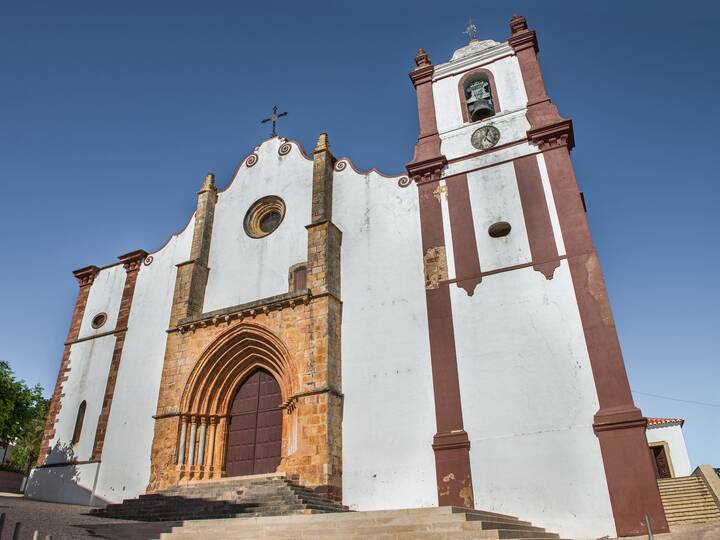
[543, 248]
[451, 443]
[468, 273]
[619, 425]
[85, 277]
[131, 262]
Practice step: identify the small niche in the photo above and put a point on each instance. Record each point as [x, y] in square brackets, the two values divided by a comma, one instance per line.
[499, 229]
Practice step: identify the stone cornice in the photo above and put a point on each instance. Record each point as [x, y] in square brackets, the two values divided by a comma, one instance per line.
[86, 275]
[422, 75]
[553, 135]
[524, 40]
[132, 261]
[427, 170]
[241, 311]
[485, 56]
[96, 336]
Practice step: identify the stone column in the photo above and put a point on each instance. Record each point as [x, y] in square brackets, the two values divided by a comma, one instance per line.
[220, 449]
[85, 277]
[201, 446]
[183, 440]
[192, 274]
[321, 376]
[211, 447]
[189, 295]
[191, 441]
[450, 444]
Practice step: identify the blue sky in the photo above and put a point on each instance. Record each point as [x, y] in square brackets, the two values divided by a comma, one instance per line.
[112, 113]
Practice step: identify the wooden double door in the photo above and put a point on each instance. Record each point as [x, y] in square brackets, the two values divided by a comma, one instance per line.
[255, 428]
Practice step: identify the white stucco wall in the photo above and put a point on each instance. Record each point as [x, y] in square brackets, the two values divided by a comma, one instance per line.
[70, 484]
[673, 436]
[244, 269]
[528, 400]
[89, 365]
[388, 417]
[125, 466]
[105, 295]
[494, 197]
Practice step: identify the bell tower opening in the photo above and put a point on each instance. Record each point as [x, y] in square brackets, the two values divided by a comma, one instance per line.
[478, 97]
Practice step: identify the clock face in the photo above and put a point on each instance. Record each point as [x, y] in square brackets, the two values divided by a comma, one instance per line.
[485, 137]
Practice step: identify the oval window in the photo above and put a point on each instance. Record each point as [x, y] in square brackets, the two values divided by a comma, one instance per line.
[264, 216]
[499, 229]
[99, 320]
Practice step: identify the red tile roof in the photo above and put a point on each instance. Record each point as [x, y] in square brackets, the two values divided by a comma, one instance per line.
[652, 422]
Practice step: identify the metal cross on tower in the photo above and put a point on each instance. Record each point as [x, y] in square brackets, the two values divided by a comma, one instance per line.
[274, 118]
[471, 31]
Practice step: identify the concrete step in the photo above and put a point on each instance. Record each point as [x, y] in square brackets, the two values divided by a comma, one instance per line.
[241, 497]
[426, 523]
[689, 503]
[687, 500]
[693, 489]
[679, 480]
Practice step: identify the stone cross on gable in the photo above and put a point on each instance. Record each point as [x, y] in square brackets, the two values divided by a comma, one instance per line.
[274, 118]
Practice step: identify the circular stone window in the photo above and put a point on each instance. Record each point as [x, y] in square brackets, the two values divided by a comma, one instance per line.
[99, 320]
[264, 216]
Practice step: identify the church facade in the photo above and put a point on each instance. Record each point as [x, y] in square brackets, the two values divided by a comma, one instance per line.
[442, 337]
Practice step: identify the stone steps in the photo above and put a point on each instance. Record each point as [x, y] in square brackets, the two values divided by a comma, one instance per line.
[687, 500]
[264, 495]
[423, 523]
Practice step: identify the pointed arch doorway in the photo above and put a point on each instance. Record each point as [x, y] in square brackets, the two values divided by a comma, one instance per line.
[255, 426]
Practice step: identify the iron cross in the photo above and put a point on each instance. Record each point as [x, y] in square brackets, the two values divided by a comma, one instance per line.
[471, 31]
[274, 118]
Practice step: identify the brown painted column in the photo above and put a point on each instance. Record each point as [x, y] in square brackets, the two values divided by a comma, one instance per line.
[450, 444]
[85, 277]
[468, 274]
[619, 425]
[131, 262]
[541, 238]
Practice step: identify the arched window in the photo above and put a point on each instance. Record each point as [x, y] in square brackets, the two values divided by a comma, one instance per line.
[478, 95]
[79, 423]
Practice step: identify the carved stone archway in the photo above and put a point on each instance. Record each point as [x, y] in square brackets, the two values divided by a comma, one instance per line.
[211, 387]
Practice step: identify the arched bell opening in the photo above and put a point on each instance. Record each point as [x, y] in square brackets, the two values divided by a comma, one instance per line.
[218, 428]
[478, 96]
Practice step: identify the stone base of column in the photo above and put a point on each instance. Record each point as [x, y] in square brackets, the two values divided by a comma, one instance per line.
[630, 475]
[452, 469]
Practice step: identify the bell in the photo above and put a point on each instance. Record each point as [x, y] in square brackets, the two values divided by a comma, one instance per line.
[480, 109]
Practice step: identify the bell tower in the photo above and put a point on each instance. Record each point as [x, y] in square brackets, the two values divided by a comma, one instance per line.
[523, 345]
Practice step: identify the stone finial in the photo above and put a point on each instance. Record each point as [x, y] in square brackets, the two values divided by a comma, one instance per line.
[422, 59]
[323, 144]
[208, 183]
[518, 24]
